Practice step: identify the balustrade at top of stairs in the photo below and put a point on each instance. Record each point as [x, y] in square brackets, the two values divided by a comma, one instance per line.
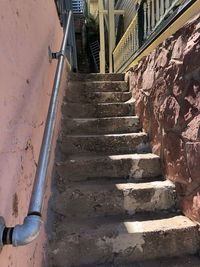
[113, 205]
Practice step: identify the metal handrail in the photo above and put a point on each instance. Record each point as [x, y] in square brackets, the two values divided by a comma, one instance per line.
[24, 234]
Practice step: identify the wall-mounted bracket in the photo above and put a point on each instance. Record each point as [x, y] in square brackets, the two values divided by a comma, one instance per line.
[2, 226]
[52, 55]
[55, 55]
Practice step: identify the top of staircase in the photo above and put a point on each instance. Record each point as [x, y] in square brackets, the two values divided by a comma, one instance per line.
[96, 77]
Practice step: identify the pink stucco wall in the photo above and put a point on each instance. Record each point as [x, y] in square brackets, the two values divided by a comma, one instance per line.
[27, 28]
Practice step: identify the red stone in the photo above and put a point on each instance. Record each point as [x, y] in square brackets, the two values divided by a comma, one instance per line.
[192, 132]
[142, 110]
[139, 104]
[172, 74]
[188, 111]
[146, 116]
[191, 102]
[179, 88]
[133, 81]
[169, 113]
[181, 188]
[191, 205]
[168, 43]
[193, 157]
[193, 93]
[155, 135]
[149, 73]
[162, 59]
[175, 163]
[158, 94]
[192, 54]
[178, 49]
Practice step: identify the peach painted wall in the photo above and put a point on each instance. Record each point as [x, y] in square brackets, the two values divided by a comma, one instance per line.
[27, 28]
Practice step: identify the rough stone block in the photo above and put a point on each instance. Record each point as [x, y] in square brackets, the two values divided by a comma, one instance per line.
[174, 158]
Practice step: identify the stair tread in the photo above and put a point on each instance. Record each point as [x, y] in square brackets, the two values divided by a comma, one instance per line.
[98, 86]
[105, 135]
[120, 241]
[112, 157]
[106, 118]
[88, 110]
[108, 93]
[102, 186]
[138, 223]
[132, 167]
[104, 144]
[96, 76]
[131, 101]
[106, 125]
[97, 82]
[172, 223]
[94, 199]
[97, 97]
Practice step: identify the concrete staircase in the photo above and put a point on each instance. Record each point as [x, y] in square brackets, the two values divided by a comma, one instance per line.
[112, 207]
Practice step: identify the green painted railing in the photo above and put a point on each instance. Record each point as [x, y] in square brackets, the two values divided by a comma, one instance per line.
[150, 16]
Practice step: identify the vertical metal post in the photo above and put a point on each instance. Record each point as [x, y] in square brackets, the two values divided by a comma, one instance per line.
[136, 35]
[102, 37]
[111, 33]
[157, 11]
[162, 7]
[166, 5]
[88, 5]
[149, 16]
[145, 20]
[153, 15]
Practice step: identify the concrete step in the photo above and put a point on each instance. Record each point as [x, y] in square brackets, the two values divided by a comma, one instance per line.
[103, 199]
[73, 110]
[97, 97]
[96, 77]
[134, 167]
[104, 144]
[178, 261]
[101, 125]
[120, 242]
[97, 86]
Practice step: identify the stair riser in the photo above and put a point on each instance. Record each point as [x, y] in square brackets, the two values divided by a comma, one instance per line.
[133, 169]
[113, 200]
[105, 144]
[124, 248]
[96, 77]
[101, 126]
[95, 97]
[99, 111]
[97, 87]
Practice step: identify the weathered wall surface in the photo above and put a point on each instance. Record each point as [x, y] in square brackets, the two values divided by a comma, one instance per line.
[166, 86]
[27, 28]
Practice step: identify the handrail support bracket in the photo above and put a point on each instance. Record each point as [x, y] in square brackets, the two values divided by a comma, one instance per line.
[55, 55]
[2, 227]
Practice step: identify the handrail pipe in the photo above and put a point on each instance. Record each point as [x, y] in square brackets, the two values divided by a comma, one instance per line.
[24, 234]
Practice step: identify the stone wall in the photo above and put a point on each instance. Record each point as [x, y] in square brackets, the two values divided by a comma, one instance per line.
[166, 86]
